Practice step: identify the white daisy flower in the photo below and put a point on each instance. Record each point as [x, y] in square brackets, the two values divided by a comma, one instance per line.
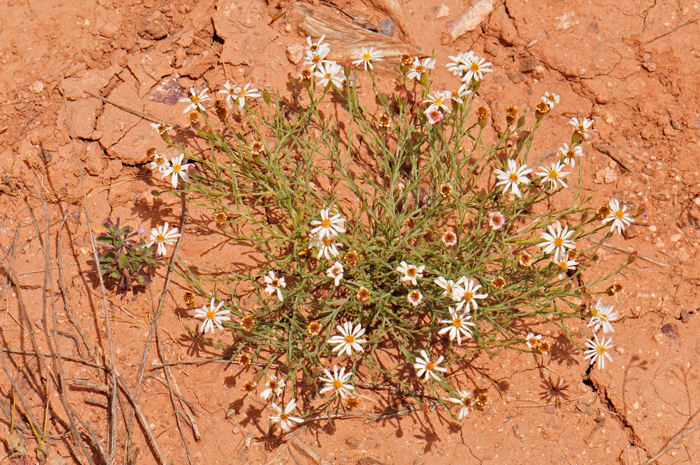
[551, 176]
[329, 226]
[557, 241]
[598, 350]
[162, 128]
[272, 386]
[452, 290]
[314, 59]
[550, 99]
[319, 46]
[565, 265]
[425, 367]
[284, 418]
[582, 126]
[162, 236]
[457, 325]
[415, 298]
[619, 216]
[195, 101]
[178, 169]
[570, 153]
[513, 177]
[337, 382]
[349, 339]
[459, 94]
[411, 273]
[330, 72]
[228, 92]
[212, 317]
[242, 93]
[420, 68]
[437, 101]
[476, 69]
[602, 316]
[532, 340]
[367, 57]
[327, 248]
[465, 401]
[460, 63]
[470, 286]
[160, 163]
[336, 272]
[275, 284]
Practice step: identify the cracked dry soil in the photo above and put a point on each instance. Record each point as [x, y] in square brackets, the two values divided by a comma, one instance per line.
[633, 66]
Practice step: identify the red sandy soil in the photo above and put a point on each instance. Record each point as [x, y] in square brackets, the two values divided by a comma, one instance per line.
[633, 66]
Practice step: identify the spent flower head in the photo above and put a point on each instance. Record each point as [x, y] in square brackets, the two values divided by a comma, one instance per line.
[415, 297]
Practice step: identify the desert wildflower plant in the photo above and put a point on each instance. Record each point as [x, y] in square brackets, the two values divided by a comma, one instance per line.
[395, 241]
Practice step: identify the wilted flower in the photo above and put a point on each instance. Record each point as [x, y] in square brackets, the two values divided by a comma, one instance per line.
[449, 238]
[415, 298]
[496, 220]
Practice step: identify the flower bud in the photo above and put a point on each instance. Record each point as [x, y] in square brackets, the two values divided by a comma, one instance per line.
[266, 96]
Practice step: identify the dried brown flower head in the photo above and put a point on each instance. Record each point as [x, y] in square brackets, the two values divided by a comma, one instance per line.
[306, 75]
[363, 294]
[314, 329]
[256, 149]
[244, 360]
[220, 109]
[542, 109]
[449, 238]
[498, 282]
[445, 191]
[194, 119]
[220, 219]
[614, 289]
[248, 323]
[384, 121]
[603, 212]
[406, 60]
[511, 114]
[352, 403]
[483, 112]
[249, 387]
[351, 258]
[188, 298]
[542, 347]
[525, 259]
[481, 400]
[151, 154]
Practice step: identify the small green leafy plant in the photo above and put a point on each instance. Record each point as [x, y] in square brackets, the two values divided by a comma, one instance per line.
[125, 261]
[395, 240]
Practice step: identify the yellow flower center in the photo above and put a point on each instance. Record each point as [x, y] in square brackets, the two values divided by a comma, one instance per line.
[160, 160]
[316, 59]
[177, 168]
[326, 223]
[553, 174]
[284, 416]
[210, 314]
[600, 350]
[274, 385]
[438, 101]
[328, 76]
[349, 338]
[603, 317]
[558, 242]
[337, 384]
[430, 366]
[457, 323]
[411, 272]
[468, 296]
[195, 99]
[594, 311]
[160, 238]
[619, 214]
[366, 57]
[563, 265]
[513, 177]
[475, 67]
[275, 283]
[327, 241]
